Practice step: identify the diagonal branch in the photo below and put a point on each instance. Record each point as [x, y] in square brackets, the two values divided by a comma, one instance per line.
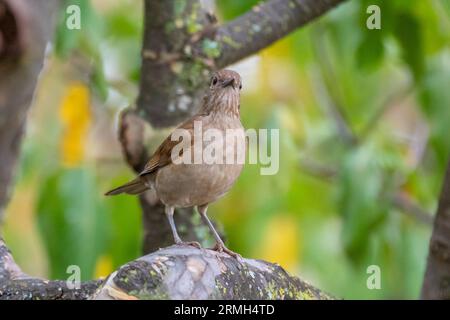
[265, 24]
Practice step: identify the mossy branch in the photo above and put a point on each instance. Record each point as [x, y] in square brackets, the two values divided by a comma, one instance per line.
[265, 24]
[180, 272]
[176, 272]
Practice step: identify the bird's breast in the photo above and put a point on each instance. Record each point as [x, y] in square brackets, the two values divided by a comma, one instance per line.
[215, 165]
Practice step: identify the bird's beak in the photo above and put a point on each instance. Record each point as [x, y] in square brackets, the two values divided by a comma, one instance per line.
[229, 82]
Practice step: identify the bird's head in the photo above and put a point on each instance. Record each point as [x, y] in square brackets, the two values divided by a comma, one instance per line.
[223, 80]
[224, 92]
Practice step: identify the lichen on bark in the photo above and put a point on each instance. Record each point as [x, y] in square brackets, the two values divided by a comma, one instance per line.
[181, 272]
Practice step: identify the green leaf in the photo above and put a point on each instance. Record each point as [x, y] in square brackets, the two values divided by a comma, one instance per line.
[67, 39]
[370, 51]
[120, 25]
[408, 34]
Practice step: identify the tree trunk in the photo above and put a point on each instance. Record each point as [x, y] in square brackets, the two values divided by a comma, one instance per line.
[436, 284]
[25, 29]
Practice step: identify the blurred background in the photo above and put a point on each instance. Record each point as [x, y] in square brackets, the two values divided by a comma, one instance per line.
[364, 129]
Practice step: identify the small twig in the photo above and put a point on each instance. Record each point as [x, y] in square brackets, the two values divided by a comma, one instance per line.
[334, 111]
[389, 102]
[400, 200]
[404, 203]
[318, 170]
[327, 86]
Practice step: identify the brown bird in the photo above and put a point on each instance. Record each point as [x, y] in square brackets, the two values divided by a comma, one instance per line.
[179, 182]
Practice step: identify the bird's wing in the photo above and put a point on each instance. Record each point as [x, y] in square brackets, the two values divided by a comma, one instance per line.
[162, 156]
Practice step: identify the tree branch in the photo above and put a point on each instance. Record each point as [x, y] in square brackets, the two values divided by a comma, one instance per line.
[182, 45]
[436, 283]
[172, 73]
[180, 272]
[16, 285]
[406, 205]
[265, 24]
[176, 272]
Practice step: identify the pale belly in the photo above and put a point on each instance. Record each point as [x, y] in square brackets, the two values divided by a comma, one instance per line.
[187, 185]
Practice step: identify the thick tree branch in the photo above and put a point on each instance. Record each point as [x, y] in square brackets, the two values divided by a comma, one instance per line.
[180, 272]
[172, 73]
[182, 44]
[265, 24]
[16, 285]
[176, 272]
[436, 284]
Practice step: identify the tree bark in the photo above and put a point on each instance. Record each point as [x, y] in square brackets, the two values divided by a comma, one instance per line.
[265, 24]
[186, 273]
[436, 284]
[25, 29]
[16, 285]
[176, 272]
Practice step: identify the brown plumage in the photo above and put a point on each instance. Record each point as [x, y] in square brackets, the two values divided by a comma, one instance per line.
[197, 184]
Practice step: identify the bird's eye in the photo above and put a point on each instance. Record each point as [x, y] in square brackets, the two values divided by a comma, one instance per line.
[214, 81]
[240, 86]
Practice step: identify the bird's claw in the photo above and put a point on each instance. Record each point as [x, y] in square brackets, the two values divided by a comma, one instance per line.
[194, 244]
[221, 248]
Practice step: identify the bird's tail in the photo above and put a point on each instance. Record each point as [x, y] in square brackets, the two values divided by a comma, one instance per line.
[136, 186]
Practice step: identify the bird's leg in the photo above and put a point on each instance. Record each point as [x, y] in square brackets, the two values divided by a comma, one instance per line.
[220, 246]
[169, 213]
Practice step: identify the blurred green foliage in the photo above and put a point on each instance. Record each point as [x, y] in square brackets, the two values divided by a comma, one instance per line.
[369, 108]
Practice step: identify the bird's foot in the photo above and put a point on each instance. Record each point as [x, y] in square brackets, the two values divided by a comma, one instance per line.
[194, 244]
[221, 248]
